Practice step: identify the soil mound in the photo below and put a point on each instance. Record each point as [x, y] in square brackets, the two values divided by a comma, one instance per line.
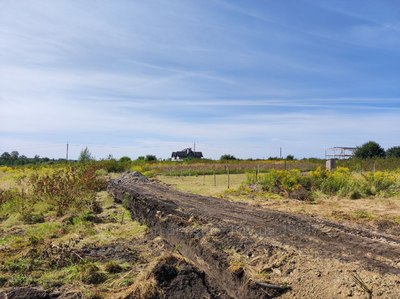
[173, 277]
[131, 178]
[25, 292]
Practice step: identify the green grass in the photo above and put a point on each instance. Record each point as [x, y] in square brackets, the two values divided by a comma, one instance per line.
[24, 244]
[204, 185]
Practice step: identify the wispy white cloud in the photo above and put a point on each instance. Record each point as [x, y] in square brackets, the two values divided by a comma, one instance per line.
[151, 77]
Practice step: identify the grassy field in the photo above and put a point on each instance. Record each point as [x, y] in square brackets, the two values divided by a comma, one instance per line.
[208, 167]
[204, 184]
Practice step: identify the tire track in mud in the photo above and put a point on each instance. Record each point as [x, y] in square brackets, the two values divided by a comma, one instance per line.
[323, 237]
[163, 208]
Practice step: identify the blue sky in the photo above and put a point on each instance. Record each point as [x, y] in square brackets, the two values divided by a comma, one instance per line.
[239, 77]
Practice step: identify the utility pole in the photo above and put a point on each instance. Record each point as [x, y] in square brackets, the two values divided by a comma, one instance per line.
[280, 152]
[194, 146]
[67, 151]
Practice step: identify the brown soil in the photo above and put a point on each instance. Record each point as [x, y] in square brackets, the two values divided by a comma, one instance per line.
[173, 277]
[252, 252]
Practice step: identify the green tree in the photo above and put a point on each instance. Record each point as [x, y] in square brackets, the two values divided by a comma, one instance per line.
[85, 155]
[371, 149]
[14, 155]
[150, 158]
[227, 157]
[289, 157]
[5, 159]
[125, 159]
[393, 152]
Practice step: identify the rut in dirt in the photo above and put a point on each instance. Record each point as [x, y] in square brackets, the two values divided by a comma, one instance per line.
[171, 214]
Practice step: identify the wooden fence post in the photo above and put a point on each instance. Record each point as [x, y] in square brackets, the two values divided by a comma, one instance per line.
[227, 170]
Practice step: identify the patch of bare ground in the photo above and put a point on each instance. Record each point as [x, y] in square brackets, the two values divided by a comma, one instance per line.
[248, 251]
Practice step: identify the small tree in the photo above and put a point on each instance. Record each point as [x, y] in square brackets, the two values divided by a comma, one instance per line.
[14, 155]
[85, 155]
[371, 149]
[393, 152]
[227, 157]
[150, 158]
[125, 159]
[289, 157]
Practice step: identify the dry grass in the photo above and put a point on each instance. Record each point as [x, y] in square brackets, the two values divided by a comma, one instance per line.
[204, 185]
[145, 285]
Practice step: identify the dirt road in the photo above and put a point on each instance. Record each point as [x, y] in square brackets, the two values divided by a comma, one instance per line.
[241, 245]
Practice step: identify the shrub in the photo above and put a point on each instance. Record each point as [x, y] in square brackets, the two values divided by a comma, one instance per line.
[380, 182]
[113, 165]
[339, 182]
[5, 196]
[68, 187]
[281, 181]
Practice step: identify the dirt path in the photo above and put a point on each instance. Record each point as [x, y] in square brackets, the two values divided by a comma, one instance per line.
[248, 230]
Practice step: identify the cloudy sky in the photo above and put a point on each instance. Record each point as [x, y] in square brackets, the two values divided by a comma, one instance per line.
[239, 77]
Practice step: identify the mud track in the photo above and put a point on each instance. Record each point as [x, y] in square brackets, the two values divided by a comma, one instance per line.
[203, 228]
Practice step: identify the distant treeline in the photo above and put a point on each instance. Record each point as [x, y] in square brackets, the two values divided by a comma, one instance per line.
[14, 159]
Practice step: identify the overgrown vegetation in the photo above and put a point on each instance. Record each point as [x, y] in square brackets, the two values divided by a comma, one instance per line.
[53, 219]
[70, 187]
[341, 182]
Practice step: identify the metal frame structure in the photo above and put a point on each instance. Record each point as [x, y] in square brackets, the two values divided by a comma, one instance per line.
[340, 152]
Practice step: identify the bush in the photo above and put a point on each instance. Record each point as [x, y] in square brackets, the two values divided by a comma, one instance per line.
[113, 165]
[5, 196]
[337, 182]
[380, 183]
[281, 181]
[68, 187]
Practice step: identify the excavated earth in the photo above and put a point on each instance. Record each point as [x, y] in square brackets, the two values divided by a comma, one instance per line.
[247, 251]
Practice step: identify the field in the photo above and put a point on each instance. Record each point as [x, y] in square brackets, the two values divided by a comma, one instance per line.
[61, 232]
